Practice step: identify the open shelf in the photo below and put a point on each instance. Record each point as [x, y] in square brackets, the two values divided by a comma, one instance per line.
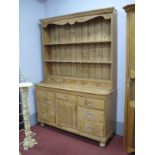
[80, 70]
[69, 43]
[88, 32]
[72, 61]
[84, 49]
[99, 53]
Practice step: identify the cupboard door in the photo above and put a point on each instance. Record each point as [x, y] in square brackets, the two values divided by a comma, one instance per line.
[66, 113]
[50, 114]
[40, 111]
[46, 111]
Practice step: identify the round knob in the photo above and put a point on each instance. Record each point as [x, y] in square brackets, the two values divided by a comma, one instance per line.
[43, 95]
[89, 128]
[90, 115]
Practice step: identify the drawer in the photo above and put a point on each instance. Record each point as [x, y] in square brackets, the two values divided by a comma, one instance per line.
[65, 97]
[90, 114]
[45, 102]
[91, 103]
[45, 94]
[91, 128]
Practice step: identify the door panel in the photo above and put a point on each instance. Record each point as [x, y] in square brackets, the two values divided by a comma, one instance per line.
[66, 113]
[46, 111]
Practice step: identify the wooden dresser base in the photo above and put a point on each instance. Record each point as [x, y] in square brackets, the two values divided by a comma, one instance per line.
[88, 115]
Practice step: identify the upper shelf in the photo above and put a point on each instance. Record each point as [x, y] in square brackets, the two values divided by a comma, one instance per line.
[68, 43]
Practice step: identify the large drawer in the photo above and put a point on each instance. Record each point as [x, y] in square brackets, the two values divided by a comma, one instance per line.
[91, 128]
[65, 97]
[45, 94]
[90, 114]
[91, 103]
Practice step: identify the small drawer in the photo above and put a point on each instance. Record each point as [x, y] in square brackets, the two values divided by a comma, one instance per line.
[65, 97]
[45, 102]
[44, 94]
[91, 128]
[90, 114]
[91, 103]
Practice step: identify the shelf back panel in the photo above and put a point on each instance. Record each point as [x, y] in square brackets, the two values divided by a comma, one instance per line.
[97, 29]
[92, 71]
[84, 52]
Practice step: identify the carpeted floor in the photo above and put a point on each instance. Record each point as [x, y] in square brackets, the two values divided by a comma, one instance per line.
[52, 141]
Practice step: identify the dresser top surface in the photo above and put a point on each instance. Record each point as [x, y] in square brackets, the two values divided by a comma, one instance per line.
[77, 88]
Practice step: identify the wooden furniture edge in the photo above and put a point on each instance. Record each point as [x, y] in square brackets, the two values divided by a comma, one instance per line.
[74, 91]
[129, 7]
[47, 21]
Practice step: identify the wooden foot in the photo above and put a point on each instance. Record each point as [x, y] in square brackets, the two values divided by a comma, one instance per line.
[102, 145]
[42, 124]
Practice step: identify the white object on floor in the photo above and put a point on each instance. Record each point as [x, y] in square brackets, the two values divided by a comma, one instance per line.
[29, 141]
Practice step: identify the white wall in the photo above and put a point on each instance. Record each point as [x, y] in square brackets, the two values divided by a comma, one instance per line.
[61, 7]
[30, 11]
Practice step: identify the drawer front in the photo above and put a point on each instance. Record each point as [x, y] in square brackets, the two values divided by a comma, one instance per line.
[65, 97]
[45, 94]
[45, 102]
[91, 128]
[91, 103]
[90, 114]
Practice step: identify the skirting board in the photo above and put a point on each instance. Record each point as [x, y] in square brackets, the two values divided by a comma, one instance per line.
[119, 125]
[119, 128]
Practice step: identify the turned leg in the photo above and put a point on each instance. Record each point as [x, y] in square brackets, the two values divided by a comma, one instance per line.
[42, 124]
[102, 144]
